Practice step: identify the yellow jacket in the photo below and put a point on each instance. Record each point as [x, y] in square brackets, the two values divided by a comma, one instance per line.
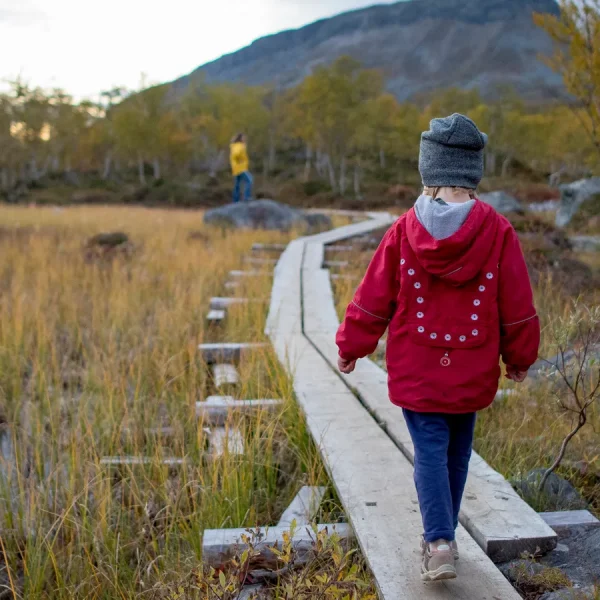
[239, 158]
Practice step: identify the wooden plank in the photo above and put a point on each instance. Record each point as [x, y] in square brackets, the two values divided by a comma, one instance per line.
[233, 285]
[344, 277]
[216, 317]
[237, 274]
[341, 249]
[216, 410]
[219, 546]
[229, 352]
[493, 513]
[225, 375]
[226, 442]
[563, 521]
[335, 264]
[260, 262]
[372, 477]
[304, 506]
[135, 461]
[268, 247]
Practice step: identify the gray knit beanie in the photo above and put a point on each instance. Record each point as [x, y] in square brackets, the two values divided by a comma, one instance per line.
[452, 153]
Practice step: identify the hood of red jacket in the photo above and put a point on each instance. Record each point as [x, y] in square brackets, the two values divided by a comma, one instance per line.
[459, 258]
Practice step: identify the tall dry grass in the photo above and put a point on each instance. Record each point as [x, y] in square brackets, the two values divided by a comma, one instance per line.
[94, 351]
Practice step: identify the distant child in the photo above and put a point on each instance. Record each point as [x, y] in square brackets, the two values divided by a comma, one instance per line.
[240, 167]
[449, 280]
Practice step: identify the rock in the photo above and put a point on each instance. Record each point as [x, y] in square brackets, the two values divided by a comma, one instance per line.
[570, 594]
[573, 196]
[263, 214]
[515, 570]
[567, 362]
[545, 206]
[318, 222]
[558, 493]
[585, 243]
[108, 240]
[503, 203]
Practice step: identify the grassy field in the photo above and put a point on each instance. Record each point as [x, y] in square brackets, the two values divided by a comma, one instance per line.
[95, 350]
[525, 430]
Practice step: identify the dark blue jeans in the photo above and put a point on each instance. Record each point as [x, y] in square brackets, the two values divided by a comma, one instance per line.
[443, 445]
[246, 177]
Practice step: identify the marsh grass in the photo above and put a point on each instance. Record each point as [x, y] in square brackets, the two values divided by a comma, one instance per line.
[525, 430]
[96, 351]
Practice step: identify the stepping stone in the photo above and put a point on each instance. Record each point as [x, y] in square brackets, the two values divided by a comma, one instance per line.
[304, 507]
[212, 353]
[268, 247]
[226, 441]
[216, 317]
[563, 521]
[225, 375]
[217, 409]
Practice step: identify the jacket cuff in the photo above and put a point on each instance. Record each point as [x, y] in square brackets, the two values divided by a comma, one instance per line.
[345, 356]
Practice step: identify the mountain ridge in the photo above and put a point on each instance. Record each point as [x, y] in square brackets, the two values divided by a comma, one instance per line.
[419, 45]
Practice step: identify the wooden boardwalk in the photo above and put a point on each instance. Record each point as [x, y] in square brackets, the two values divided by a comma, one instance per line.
[369, 466]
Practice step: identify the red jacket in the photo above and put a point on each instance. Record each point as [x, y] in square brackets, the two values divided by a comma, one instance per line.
[453, 307]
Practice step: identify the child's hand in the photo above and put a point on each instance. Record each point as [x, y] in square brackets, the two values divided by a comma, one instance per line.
[346, 366]
[515, 375]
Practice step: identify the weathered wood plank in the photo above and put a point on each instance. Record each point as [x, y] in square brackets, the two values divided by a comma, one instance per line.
[335, 264]
[228, 352]
[342, 249]
[135, 461]
[216, 317]
[563, 521]
[226, 441]
[304, 506]
[217, 409]
[221, 545]
[268, 247]
[233, 285]
[373, 479]
[225, 375]
[260, 262]
[237, 274]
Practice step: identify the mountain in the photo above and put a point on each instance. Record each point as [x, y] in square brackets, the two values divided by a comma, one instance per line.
[420, 45]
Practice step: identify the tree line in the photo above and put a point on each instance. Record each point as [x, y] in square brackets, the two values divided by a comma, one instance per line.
[336, 125]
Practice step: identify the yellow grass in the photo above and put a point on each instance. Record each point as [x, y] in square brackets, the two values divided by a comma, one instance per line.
[94, 350]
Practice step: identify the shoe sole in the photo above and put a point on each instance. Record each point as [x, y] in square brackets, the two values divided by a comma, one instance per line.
[444, 572]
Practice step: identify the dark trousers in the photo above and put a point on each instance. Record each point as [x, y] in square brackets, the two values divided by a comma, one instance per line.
[246, 177]
[443, 445]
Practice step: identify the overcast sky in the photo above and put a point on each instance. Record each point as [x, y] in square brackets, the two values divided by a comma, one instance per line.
[85, 47]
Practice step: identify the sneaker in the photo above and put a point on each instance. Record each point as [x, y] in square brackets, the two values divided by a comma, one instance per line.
[438, 561]
[453, 545]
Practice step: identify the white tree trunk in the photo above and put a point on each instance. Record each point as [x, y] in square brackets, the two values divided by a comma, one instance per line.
[331, 171]
[33, 169]
[319, 162]
[141, 173]
[107, 166]
[307, 164]
[505, 165]
[215, 163]
[357, 182]
[156, 166]
[343, 176]
[382, 158]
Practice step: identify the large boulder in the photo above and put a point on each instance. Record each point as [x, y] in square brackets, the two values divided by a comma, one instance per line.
[573, 197]
[557, 494]
[503, 203]
[263, 214]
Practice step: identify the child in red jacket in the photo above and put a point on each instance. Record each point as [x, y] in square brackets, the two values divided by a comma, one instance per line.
[449, 280]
